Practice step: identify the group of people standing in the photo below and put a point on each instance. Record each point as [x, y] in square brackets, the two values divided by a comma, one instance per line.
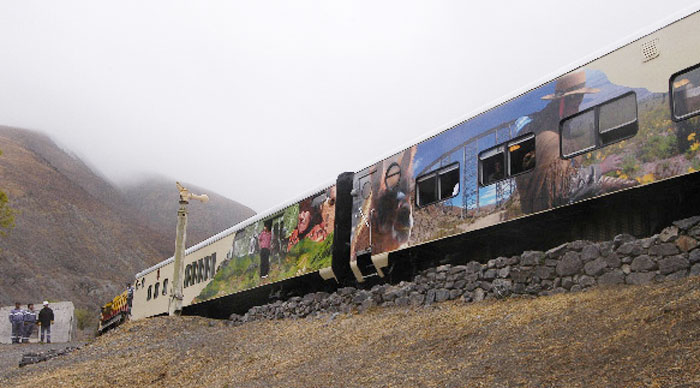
[24, 321]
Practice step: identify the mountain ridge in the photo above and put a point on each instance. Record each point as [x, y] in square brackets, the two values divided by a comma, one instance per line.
[77, 236]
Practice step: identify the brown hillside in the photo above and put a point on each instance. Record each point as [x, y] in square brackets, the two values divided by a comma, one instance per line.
[157, 199]
[76, 237]
[623, 336]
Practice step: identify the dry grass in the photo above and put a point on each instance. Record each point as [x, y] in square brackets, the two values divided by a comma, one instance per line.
[643, 336]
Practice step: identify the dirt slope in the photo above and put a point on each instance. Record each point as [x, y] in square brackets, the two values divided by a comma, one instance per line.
[78, 237]
[627, 336]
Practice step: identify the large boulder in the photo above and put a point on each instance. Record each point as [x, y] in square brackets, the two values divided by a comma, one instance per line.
[570, 264]
[595, 267]
[643, 263]
[672, 264]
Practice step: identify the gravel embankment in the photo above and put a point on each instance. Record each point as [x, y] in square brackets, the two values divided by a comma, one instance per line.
[615, 336]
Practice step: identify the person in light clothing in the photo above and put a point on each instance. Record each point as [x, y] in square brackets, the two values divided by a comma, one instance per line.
[29, 323]
[17, 321]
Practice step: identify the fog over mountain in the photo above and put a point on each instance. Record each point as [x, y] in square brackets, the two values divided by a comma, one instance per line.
[78, 237]
[263, 100]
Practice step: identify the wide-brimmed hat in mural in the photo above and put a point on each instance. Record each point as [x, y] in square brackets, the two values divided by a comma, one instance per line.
[573, 83]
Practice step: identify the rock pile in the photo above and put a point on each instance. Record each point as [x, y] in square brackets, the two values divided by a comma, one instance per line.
[574, 266]
[33, 358]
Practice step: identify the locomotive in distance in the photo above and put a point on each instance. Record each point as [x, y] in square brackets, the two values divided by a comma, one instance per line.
[613, 123]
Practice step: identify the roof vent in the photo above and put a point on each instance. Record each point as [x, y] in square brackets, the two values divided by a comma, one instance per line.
[650, 50]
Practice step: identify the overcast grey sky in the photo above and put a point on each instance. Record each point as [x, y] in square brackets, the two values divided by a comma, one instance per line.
[263, 100]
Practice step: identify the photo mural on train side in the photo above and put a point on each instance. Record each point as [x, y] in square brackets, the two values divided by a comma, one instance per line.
[384, 215]
[612, 137]
[294, 242]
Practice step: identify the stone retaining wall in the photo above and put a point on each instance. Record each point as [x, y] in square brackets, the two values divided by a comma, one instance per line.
[670, 255]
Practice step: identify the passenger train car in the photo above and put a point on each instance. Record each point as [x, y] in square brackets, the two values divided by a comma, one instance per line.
[596, 150]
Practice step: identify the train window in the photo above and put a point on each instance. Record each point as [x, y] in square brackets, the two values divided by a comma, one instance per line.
[365, 187]
[212, 268]
[393, 175]
[427, 189]
[165, 286]
[155, 290]
[438, 185]
[617, 119]
[578, 134]
[599, 126]
[149, 295]
[507, 159]
[685, 93]
[492, 163]
[200, 271]
[206, 268]
[521, 154]
[188, 276]
[449, 182]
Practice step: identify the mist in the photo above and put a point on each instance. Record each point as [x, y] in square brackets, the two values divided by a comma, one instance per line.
[262, 101]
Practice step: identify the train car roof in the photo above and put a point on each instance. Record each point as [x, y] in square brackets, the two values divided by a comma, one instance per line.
[240, 225]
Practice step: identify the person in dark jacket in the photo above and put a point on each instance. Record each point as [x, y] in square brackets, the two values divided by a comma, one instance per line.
[17, 321]
[45, 320]
[29, 323]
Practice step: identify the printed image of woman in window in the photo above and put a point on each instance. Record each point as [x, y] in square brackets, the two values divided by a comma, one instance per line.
[315, 220]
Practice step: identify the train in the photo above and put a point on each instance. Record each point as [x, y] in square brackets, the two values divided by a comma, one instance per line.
[114, 313]
[610, 145]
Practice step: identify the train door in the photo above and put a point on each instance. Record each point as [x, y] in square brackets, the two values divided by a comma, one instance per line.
[364, 215]
[361, 248]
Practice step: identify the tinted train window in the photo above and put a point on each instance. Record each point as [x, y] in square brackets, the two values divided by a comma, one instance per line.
[438, 185]
[617, 119]
[427, 189]
[365, 186]
[393, 175]
[155, 290]
[200, 271]
[188, 276]
[578, 134]
[507, 159]
[598, 126]
[521, 154]
[685, 93]
[165, 286]
[492, 164]
[212, 260]
[150, 293]
[449, 182]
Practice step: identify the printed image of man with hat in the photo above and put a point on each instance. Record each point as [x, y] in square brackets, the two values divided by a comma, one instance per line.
[556, 181]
